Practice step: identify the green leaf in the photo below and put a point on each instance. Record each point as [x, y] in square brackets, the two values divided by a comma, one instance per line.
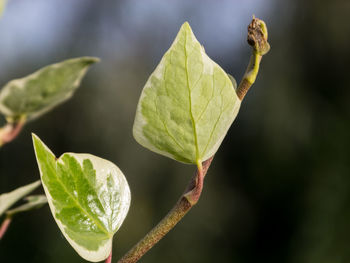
[89, 198]
[187, 105]
[39, 92]
[8, 199]
[33, 202]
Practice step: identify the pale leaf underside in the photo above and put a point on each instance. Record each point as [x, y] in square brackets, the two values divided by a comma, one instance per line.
[32, 202]
[32, 96]
[187, 104]
[8, 199]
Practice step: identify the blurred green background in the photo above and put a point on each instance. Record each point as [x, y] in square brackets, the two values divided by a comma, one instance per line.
[278, 189]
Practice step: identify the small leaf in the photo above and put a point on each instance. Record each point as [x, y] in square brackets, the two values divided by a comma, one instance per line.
[33, 202]
[8, 199]
[187, 104]
[89, 198]
[39, 92]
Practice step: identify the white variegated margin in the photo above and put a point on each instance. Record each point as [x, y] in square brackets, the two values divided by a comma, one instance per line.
[8, 199]
[208, 65]
[140, 121]
[21, 84]
[103, 168]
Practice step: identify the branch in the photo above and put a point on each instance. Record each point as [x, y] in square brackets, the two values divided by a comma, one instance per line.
[4, 226]
[257, 38]
[183, 205]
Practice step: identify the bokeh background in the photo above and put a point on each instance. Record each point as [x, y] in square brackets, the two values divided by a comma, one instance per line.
[278, 189]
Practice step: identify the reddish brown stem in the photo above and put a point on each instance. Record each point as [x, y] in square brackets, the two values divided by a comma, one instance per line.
[109, 259]
[184, 204]
[10, 131]
[4, 226]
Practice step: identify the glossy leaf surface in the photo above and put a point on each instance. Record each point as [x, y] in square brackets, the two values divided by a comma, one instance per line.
[8, 199]
[187, 105]
[89, 198]
[31, 96]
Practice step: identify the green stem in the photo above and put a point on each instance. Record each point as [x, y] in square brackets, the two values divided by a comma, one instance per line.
[249, 76]
[183, 205]
[257, 38]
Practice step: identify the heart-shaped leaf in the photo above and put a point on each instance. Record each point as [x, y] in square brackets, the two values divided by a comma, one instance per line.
[89, 198]
[8, 199]
[39, 92]
[187, 104]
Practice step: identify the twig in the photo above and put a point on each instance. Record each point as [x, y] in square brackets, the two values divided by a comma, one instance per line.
[183, 205]
[10, 131]
[257, 38]
[4, 226]
[109, 259]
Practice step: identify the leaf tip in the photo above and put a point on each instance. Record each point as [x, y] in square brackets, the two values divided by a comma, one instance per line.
[92, 60]
[40, 146]
[36, 142]
[87, 61]
[35, 139]
[186, 26]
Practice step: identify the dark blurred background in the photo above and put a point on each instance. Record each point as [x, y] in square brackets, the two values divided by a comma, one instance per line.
[278, 189]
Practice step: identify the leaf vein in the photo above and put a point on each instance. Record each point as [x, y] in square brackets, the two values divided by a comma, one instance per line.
[79, 205]
[216, 123]
[167, 130]
[206, 106]
[190, 99]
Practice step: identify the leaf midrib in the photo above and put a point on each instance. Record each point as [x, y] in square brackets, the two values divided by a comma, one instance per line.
[98, 224]
[190, 99]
